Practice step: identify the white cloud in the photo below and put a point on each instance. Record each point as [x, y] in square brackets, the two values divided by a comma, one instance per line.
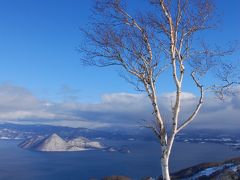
[119, 109]
[26, 115]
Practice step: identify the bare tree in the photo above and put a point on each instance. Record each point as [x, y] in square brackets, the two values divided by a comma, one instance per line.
[163, 38]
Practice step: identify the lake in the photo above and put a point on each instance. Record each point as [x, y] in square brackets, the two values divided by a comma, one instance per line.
[144, 160]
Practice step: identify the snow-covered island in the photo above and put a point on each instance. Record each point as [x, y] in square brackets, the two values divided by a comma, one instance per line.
[54, 143]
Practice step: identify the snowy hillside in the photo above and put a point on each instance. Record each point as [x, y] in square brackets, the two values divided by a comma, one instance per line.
[227, 170]
[56, 143]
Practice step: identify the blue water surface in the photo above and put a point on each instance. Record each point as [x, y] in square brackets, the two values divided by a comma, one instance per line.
[144, 160]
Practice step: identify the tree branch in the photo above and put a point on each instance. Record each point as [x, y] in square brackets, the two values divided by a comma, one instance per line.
[200, 102]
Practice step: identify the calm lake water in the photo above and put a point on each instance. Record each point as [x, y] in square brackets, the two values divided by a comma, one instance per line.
[144, 160]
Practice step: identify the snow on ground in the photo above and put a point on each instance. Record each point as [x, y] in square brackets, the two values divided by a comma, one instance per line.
[209, 171]
[235, 168]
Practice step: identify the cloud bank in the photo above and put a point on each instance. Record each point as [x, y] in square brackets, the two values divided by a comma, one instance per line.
[18, 105]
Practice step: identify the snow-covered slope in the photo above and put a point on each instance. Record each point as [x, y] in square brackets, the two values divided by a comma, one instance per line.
[56, 143]
[53, 143]
[227, 170]
[84, 142]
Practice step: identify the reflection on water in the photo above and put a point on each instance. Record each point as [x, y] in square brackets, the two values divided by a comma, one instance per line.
[144, 160]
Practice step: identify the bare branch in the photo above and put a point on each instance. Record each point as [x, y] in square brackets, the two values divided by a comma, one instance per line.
[200, 102]
[151, 126]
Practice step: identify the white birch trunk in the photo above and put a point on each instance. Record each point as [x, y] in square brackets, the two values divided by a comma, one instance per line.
[164, 164]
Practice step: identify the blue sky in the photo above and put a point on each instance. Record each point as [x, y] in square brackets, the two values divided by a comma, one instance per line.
[39, 41]
[38, 49]
[41, 76]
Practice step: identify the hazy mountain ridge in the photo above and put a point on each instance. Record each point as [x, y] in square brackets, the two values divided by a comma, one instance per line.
[15, 131]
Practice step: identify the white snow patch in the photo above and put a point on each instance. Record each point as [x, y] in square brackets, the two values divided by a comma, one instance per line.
[208, 171]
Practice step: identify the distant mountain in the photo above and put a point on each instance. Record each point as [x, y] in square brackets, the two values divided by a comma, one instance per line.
[55, 143]
[18, 131]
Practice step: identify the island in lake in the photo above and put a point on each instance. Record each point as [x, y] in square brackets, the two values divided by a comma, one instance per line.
[54, 143]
